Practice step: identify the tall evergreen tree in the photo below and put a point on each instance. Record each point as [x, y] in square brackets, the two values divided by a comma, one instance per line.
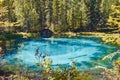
[58, 15]
[25, 13]
[114, 16]
[93, 13]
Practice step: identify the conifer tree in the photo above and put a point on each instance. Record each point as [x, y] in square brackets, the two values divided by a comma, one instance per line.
[114, 16]
[25, 13]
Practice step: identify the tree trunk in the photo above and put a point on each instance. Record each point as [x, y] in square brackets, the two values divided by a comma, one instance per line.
[28, 26]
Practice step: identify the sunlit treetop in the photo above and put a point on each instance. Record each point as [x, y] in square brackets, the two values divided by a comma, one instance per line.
[1, 1]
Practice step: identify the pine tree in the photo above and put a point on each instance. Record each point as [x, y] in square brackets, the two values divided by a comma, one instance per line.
[3, 12]
[114, 16]
[7, 16]
[26, 13]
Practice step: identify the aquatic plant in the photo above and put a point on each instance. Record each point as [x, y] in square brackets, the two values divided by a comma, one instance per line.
[61, 73]
[46, 72]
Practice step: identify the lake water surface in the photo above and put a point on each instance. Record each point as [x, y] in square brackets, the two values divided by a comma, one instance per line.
[84, 50]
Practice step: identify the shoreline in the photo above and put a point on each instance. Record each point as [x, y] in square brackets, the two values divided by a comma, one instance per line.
[107, 38]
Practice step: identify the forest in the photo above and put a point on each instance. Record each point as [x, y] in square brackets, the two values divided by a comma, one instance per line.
[59, 15]
[59, 39]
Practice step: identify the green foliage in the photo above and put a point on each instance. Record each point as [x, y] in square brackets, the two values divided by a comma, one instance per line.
[46, 72]
[114, 72]
[60, 73]
[111, 39]
[3, 13]
[10, 36]
[25, 13]
[114, 16]
[60, 15]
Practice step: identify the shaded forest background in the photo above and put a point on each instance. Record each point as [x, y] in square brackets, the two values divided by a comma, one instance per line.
[59, 15]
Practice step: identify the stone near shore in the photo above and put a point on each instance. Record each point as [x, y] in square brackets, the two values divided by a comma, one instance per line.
[46, 33]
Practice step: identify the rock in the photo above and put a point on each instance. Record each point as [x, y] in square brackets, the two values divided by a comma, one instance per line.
[2, 73]
[46, 33]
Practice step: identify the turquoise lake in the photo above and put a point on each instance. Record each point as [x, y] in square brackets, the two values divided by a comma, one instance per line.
[83, 50]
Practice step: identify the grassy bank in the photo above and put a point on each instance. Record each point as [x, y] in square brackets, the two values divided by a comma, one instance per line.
[18, 36]
[110, 38]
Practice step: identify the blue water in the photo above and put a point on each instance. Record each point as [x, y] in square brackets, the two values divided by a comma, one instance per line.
[62, 51]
